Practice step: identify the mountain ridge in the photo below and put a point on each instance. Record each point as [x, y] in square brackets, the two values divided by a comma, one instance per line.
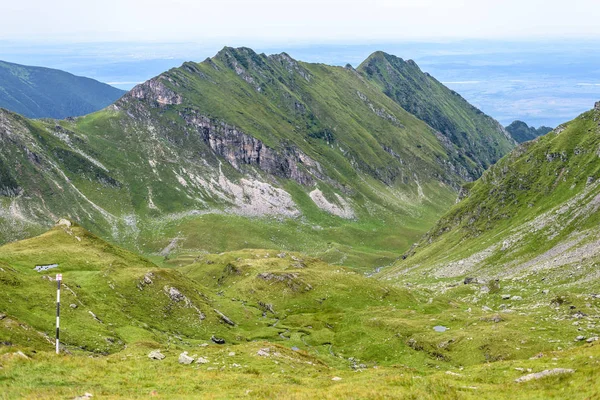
[39, 92]
[244, 135]
[522, 132]
[535, 210]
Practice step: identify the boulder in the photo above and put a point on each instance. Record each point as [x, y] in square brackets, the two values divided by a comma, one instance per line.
[185, 359]
[156, 355]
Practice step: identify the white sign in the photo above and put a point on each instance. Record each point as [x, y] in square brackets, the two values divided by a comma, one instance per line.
[59, 277]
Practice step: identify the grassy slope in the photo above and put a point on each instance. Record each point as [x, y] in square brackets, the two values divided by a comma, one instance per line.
[542, 196]
[478, 140]
[38, 92]
[335, 317]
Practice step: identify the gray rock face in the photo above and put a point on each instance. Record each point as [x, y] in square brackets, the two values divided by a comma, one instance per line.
[156, 355]
[597, 105]
[239, 148]
[185, 359]
[174, 294]
[156, 91]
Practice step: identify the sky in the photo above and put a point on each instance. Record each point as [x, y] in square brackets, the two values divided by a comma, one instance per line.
[293, 21]
[533, 60]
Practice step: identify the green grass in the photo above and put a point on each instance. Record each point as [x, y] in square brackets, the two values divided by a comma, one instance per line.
[281, 300]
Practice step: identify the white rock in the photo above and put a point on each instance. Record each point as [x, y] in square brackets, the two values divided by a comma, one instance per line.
[336, 378]
[548, 372]
[185, 359]
[156, 355]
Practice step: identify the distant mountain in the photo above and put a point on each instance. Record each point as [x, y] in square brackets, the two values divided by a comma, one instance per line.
[244, 150]
[38, 92]
[534, 212]
[522, 132]
[477, 140]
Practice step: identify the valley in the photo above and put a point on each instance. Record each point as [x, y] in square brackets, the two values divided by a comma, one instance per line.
[256, 226]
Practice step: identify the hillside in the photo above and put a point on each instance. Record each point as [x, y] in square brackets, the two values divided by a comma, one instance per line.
[38, 92]
[273, 323]
[242, 150]
[534, 215]
[477, 140]
[522, 132]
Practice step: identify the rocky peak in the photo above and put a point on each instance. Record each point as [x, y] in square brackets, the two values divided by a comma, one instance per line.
[597, 105]
[155, 91]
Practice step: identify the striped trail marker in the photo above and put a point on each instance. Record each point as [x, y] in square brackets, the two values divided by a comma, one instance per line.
[58, 280]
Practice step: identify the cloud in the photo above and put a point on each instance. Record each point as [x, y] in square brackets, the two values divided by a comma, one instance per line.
[462, 83]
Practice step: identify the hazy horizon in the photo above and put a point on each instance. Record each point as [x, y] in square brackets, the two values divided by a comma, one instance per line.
[539, 82]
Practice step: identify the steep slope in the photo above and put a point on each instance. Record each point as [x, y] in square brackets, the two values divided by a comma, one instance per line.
[38, 92]
[522, 132]
[242, 150]
[533, 215]
[477, 140]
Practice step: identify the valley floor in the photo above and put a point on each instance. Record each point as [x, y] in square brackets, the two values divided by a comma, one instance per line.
[239, 372]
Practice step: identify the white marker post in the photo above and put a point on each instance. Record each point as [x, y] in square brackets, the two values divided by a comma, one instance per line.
[58, 280]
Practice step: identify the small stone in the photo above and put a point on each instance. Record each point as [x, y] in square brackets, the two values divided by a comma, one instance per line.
[264, 352]
[486, 308]
[72, 305]
[580, 338]
[592, 339]
[84, 397]
[231, 353]
[516, 298]
[217, 340]
[156, 355]
[20, 354]
[545, 291]
[505, 296]
[185, 359]
[202, 360]
[336, 379]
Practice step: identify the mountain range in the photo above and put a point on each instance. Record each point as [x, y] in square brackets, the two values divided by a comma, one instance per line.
[38, 92]
[242, 141]
[256, 225]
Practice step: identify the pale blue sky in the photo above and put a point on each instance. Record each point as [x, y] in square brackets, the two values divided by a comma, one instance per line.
[535, 60]
[296, 21]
